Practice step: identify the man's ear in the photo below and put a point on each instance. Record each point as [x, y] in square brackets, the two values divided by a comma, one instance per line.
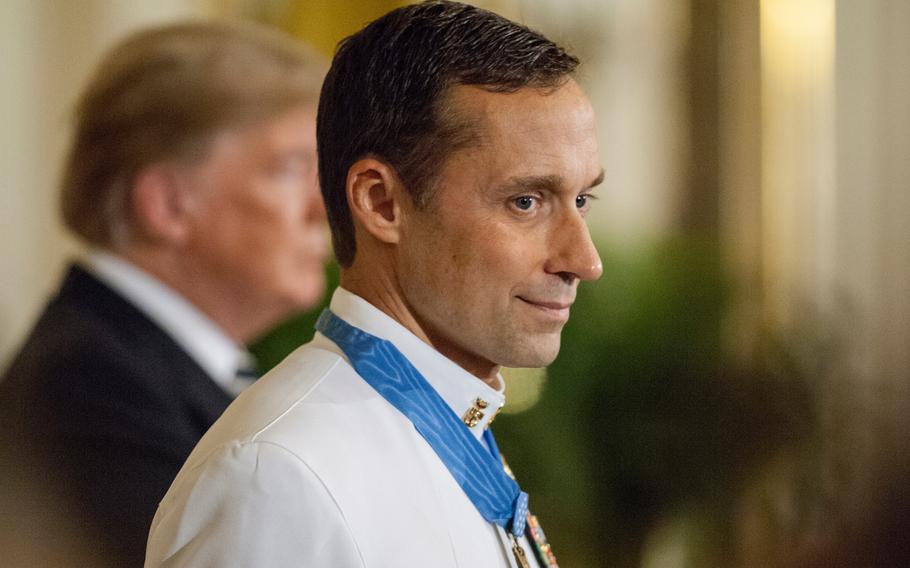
[375, 194]
[159, 204]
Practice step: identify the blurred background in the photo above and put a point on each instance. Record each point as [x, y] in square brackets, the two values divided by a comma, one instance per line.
[735, 391]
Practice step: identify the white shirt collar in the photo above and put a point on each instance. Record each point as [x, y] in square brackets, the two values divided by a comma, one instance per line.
[198, 335]
[460, 389]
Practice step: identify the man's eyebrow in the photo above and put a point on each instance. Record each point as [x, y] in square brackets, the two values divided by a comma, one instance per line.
[531, 183]
[598, 180]
[546, 182]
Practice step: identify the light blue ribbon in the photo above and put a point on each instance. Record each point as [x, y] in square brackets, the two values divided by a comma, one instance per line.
[476, 469]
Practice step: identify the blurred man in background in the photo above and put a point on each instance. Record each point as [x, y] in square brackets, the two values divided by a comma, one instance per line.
[457, 160]
[192, 178]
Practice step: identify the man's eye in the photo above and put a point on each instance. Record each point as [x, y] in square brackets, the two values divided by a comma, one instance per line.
[525, 202]
[581, 201]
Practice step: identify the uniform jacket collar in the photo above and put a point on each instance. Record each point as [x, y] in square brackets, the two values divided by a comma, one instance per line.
[471, 399]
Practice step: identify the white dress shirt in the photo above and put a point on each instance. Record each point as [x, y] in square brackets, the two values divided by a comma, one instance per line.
[192, 330]
[312, 467]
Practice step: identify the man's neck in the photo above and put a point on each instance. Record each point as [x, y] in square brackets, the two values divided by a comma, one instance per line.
[234, 318]
[382, 291]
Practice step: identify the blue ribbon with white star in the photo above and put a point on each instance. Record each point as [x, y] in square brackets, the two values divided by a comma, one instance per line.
[476, 469]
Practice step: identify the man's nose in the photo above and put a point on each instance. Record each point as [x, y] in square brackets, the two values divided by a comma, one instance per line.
[573, 254]
[314, 211]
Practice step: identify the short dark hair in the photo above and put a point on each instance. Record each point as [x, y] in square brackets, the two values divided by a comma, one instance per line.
[384, 95]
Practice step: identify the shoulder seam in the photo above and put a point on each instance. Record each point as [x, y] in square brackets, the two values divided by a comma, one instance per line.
[255, 436]
[325, 488]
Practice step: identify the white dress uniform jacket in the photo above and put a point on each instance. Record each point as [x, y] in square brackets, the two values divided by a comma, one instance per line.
[311, 467]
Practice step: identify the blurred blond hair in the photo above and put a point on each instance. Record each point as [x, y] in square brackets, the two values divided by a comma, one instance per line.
[163, 94]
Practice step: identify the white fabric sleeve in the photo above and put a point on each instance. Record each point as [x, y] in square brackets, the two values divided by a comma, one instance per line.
[251, 504]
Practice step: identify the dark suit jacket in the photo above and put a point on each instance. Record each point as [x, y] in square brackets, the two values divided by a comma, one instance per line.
[111, 406]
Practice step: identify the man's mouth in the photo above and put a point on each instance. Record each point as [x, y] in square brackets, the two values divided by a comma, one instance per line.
[558, 309]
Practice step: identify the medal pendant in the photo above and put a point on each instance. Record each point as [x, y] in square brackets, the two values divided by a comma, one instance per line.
[519, 552]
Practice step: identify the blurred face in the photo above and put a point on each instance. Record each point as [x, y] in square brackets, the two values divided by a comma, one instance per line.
[490, 268]
[257, 233]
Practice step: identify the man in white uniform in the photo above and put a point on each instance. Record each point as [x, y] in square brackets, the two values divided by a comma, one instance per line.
[457, 158]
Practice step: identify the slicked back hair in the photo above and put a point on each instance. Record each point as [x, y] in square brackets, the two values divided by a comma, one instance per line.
[385, 95]
[163, 94]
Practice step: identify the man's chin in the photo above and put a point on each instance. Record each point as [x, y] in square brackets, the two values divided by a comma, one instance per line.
[309, 292]
[534, 353]
[292, 303]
